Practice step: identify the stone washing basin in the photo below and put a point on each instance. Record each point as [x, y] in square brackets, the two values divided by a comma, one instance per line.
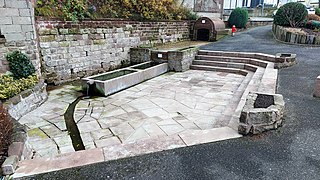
[111, 82]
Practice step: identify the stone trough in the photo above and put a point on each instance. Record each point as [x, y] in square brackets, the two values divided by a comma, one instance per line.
[117, 80]
[261, 112]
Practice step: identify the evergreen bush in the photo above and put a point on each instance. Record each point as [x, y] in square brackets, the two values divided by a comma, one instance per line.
[20, 65]
[238, 17]
[292, 14]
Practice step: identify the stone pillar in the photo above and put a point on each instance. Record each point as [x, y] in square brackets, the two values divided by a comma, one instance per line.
[316, 92]
[17, 31]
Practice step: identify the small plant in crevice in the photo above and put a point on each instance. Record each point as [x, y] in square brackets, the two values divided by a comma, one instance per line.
[20, 65]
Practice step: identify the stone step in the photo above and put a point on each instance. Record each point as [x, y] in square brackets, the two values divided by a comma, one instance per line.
[252, 86]
[225, 64]
[255, 62]
[220, 69]
[260, 56]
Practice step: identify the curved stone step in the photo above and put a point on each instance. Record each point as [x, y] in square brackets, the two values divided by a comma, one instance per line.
[244, 66]
[260, 56]
[220, 69]
[255, 62]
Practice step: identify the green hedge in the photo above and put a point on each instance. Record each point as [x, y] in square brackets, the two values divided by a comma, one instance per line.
[238, 17]
[10, 87]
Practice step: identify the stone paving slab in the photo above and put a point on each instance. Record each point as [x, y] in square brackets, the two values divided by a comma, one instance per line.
[41, 165]
[170, 111]
[193, 137]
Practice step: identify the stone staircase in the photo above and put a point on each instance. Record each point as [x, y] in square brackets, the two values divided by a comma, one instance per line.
[258, 69]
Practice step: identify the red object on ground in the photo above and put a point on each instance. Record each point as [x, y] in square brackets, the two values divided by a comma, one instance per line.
[233, 29]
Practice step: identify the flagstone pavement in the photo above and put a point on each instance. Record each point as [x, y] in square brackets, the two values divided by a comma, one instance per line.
[170, 111]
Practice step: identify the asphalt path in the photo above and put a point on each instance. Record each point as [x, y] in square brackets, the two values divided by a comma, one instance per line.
[291, 152]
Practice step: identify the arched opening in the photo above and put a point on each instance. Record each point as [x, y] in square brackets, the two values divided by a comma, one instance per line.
[203, 34]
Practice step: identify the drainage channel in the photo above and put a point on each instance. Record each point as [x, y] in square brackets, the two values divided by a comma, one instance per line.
[72, 126]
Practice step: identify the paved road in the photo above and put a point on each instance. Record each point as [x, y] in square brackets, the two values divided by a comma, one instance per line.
[292, 152]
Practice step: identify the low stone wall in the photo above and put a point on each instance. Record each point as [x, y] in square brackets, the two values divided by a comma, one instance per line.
[282, 34]
[178, 60]
[255, 23]
[181, 60]
[74, 50]
[27, 100]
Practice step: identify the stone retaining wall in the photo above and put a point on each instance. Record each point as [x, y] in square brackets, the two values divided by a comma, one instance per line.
[282, 34]
[74, 50]
[27, 100]
[17, 31]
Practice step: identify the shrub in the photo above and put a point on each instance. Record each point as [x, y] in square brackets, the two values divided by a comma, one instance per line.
[5, 128]
[133, 9]
[313, 17]
[292, 14]
[313, 24]
[10, 87]
[317, 11]
[238, 17]
[73, 10]
[20, 65]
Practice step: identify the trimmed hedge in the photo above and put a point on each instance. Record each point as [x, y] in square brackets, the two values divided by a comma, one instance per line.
[238, 17]
[292, 14]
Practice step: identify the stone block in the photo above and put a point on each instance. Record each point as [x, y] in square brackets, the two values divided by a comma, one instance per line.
[5, 21]
[16, 148]
[9, 166]
[10, 29]
[16, 4]
[9, 12]
[316, 92]
[1, 3]
[21, 20]
[15, 37]
[25, 12]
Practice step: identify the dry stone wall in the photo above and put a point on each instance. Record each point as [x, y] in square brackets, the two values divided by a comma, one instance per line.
[74, 50]
[17, 31]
